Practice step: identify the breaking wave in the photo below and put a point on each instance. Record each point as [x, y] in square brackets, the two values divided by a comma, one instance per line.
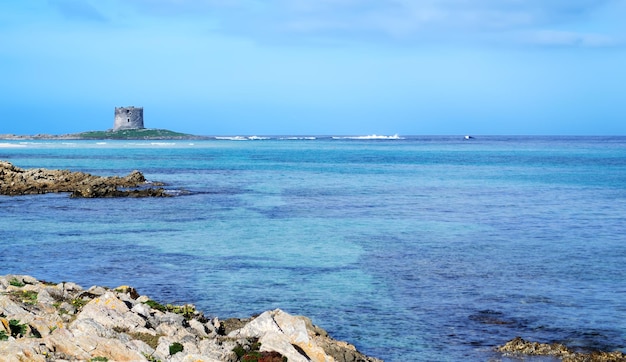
[241, 138]
[369, 137]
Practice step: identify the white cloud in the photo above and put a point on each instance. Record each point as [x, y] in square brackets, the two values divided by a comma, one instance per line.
[545, 22]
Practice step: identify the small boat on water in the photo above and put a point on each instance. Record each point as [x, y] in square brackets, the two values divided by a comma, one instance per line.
[468, 137]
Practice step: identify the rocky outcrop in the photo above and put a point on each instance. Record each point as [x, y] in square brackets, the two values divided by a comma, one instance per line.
[42, 321]
[519, 347]
[17, 181]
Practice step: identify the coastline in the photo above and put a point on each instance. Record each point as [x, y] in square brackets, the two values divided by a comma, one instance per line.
[130, 134]
[43, 321]
[14, 137]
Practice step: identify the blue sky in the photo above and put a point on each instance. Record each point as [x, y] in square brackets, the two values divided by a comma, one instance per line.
[332, 67]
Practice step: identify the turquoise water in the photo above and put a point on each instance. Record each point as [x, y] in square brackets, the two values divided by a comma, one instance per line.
[418, 248]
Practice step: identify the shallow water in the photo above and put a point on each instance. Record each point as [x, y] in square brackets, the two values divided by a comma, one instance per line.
[435, 248]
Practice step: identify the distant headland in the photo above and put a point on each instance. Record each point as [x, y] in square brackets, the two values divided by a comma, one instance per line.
[132, 134]
[128, 124]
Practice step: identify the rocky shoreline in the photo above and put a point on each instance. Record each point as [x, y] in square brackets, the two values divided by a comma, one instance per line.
[17, 181]
[42, 321]
[520, 347]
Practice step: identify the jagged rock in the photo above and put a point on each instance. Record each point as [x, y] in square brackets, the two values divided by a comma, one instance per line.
[78, 345]
[214, 349]
[69, 287]
[199, 328]
[142, 310]
[519, 346]
[296, 338]
[228, 325]
[43, 322]
[170, 319]
[269, 334]
[109, 311]
[21, 350]
[17, 181]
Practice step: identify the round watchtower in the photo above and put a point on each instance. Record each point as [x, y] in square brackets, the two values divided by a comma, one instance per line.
[128, 118]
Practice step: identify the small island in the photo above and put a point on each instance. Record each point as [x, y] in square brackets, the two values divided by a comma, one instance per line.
[137, 134]
[134, 134]
[128, 124]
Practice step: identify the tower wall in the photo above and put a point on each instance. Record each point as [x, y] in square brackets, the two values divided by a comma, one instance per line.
[128, 118]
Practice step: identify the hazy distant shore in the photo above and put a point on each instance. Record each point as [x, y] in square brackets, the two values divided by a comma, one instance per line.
[39, 137]
[138, 134]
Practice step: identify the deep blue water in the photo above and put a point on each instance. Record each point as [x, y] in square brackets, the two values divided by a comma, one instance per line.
[420, 248]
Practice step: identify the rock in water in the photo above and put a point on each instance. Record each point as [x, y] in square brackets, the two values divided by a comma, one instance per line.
[16, 181]
[518, 346]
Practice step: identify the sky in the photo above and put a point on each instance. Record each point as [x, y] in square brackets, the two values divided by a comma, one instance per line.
[316, 67]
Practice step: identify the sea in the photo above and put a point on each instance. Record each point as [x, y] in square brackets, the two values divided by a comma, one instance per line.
[412, 248]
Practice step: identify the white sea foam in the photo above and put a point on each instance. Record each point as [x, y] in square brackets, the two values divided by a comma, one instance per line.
[11, 145]
[370, 137]
[233, 138]
[241, 138]
[253, 138]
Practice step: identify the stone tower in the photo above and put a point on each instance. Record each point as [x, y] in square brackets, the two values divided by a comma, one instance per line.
[128, 118]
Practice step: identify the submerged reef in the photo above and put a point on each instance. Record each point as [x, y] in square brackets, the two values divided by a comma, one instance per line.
[17, 181]
[42, 321]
